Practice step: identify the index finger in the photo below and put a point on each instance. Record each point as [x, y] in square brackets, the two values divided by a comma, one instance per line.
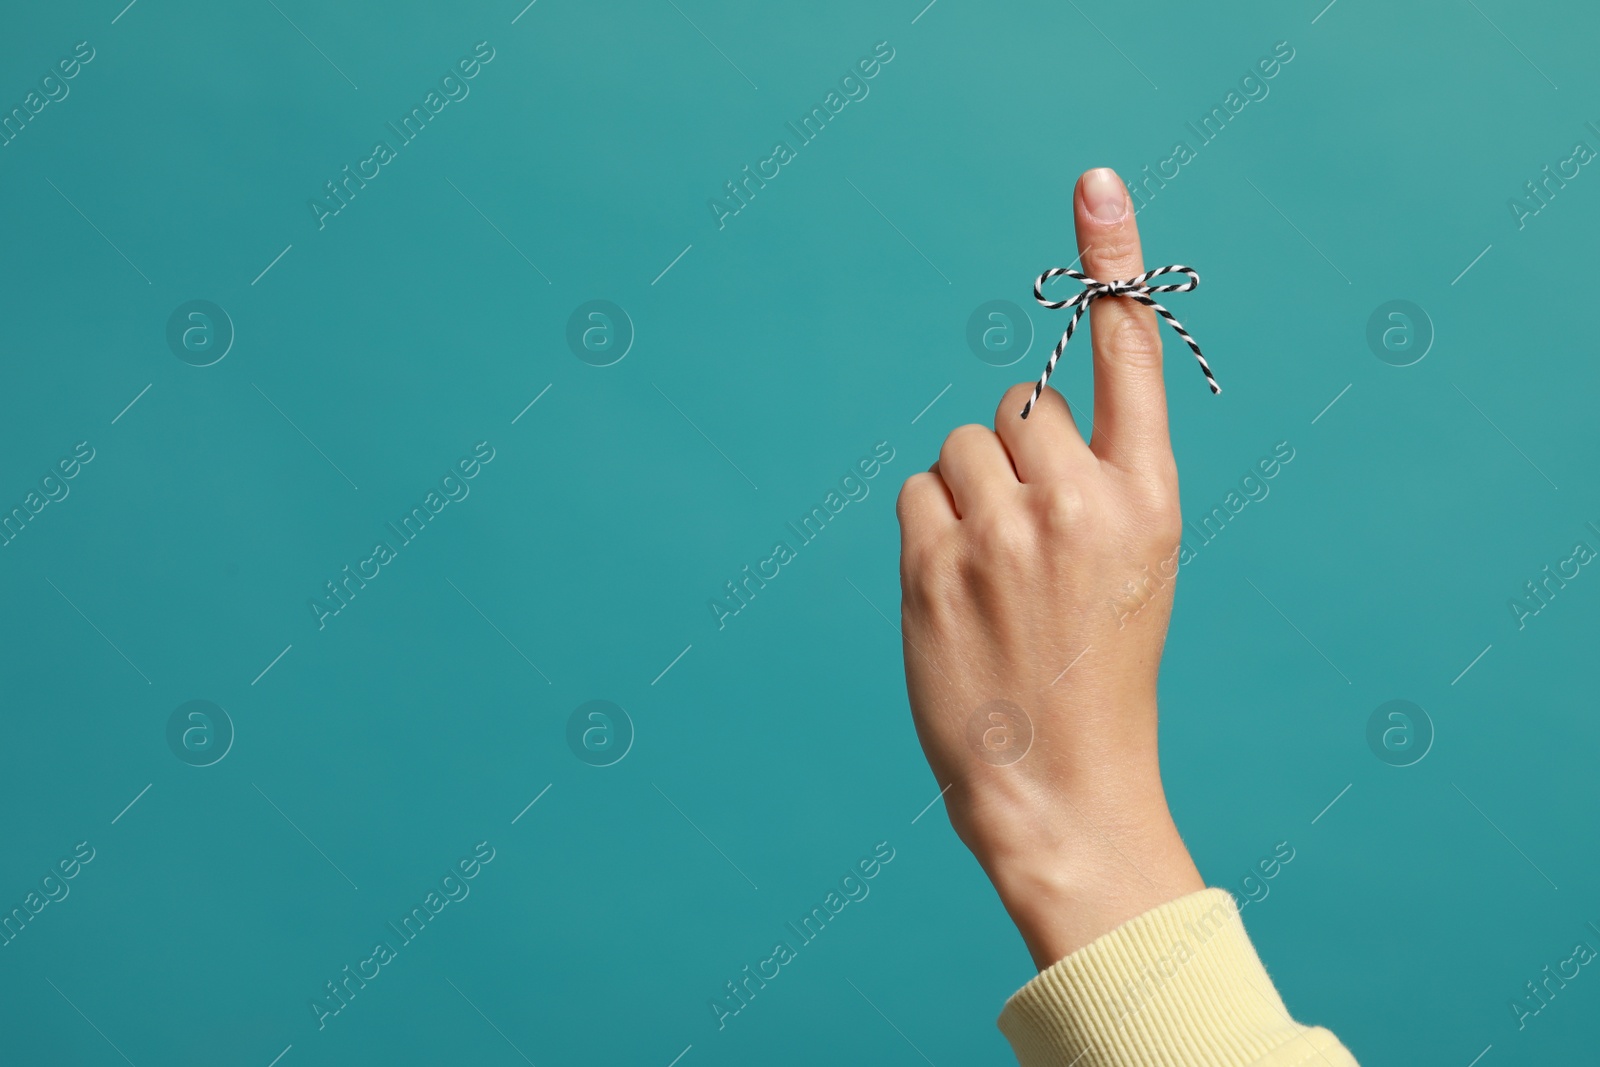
[1130, 397]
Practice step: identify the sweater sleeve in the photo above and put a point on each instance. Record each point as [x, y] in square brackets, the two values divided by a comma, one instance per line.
[1179, 986]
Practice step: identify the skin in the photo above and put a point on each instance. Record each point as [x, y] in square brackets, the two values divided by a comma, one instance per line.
[1017, 550]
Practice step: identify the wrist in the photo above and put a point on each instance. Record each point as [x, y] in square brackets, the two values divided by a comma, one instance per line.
[1073, 865]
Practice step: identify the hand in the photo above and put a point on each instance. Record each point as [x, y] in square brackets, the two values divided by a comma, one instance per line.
[1038, 569]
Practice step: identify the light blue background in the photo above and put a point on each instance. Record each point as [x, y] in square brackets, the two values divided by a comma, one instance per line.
[820, 320]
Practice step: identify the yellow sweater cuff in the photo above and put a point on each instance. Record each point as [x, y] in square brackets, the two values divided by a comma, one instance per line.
[1179, 986]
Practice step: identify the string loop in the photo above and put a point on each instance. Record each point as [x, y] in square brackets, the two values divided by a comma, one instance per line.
[1135, 289]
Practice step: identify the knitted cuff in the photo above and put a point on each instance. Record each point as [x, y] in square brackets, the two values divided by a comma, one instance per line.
[1178, 986]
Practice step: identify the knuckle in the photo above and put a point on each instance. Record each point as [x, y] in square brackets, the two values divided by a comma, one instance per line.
[1011, 403]
[918, 528]
[1065, 508]
[1160, 518]
[1135, 340]
[1166, 525]
[1155, 492]
[925, 572]
[1117, 251]
[1002, 541]
[910, 489]
[963, 437]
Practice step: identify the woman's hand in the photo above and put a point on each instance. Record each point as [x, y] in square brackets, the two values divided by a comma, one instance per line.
[1037, 576]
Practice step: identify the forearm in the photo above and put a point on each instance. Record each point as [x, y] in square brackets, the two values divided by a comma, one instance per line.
[1034, 697]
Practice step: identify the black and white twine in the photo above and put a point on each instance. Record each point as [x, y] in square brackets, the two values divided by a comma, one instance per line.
[1134, 288]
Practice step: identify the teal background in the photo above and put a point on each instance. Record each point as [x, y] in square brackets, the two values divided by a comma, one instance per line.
[821, 319]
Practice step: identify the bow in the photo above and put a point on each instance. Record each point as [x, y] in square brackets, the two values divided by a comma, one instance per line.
[1134, 288]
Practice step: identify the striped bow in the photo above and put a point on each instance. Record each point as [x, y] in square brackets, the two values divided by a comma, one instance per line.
[1135, 288]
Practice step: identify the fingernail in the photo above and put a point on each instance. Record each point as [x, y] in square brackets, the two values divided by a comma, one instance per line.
[1103, 194]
